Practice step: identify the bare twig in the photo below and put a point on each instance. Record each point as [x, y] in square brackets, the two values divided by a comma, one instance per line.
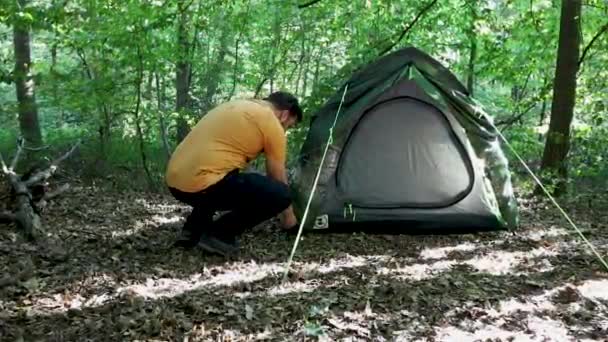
[67, 154]
[35, 149]
[20, 143]
[409, 27]
[586, 49]
[3, 164]
[42, 175]
[509, 121]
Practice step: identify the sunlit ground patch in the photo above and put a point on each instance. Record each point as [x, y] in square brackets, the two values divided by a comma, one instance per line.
[442, 252]
[171, 287]
[495, 263]
[351, 261]
[595, 289]
[543, 234]
[417, 271]
[298, 287]
[159, 208]
[536, 313]
[502, 262]
[542, 329]
[140, 225]
[60, 302]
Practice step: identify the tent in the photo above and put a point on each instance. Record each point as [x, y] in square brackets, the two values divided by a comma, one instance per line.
[409, 148]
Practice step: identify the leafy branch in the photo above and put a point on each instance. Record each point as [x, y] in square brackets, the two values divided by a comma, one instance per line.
[588, 47]
[531, 104]
[308, 4]
[409, 27]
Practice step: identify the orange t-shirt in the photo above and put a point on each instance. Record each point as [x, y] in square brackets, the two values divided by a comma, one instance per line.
[227, 138]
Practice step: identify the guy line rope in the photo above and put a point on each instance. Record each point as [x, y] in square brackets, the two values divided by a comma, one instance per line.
[329, 141]
[563, 212]
[314, 186]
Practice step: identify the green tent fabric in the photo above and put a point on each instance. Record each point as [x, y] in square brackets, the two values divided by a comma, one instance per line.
[410, 146]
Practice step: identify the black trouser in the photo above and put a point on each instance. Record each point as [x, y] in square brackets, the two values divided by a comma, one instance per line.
[251, 199]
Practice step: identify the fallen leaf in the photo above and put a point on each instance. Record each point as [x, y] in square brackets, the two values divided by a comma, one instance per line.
[248, 312]
[31, 284]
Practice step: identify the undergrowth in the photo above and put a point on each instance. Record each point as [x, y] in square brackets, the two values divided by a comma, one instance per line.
[120, 165]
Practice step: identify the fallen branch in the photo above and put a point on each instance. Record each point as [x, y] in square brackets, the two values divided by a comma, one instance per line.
[50, 195]
[46, 174]
[28, 195]
[5, 169]
[20, 143]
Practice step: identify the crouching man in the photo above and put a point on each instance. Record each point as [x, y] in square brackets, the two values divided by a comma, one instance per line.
[206, 171]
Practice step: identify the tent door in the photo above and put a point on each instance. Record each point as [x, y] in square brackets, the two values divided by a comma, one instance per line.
[403, 153]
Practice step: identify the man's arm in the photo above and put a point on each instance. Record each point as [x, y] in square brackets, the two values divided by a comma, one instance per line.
[276, 170]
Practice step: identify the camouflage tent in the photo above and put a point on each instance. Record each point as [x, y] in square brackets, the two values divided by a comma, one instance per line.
[408, 146]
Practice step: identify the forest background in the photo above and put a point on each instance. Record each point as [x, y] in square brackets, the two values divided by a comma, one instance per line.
[128, 78]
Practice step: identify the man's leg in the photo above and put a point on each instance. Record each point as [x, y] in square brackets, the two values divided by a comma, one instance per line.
[251, 198]
[199, 219]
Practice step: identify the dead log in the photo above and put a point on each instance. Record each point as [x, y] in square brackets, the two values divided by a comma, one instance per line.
[28, 198]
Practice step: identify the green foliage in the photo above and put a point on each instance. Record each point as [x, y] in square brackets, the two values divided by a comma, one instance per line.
[588, 154]
[88, 56]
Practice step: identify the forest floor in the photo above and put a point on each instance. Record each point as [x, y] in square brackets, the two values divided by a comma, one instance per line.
[124, 281]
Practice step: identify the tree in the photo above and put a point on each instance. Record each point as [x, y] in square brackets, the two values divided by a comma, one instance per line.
[564, 93]
[183, 69]
[24, 80]
[473, 49]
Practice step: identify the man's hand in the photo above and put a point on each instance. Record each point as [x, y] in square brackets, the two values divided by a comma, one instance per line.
[288, 219]
[277, 171]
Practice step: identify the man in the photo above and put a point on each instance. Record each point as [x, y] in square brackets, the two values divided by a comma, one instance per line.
[205, 171]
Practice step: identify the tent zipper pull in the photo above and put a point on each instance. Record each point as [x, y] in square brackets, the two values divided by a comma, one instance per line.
[351, 211]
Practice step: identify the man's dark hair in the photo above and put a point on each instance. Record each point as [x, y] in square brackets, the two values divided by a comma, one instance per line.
[285, 101]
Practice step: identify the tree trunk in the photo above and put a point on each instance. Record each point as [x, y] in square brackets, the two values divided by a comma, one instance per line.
[214, 73]
[182, 71]
[306, 69]
[315, 78]
[160, 97]
[564, 94]
[472, 50]
[300, 65]
[105, 125]
[235, 75]
[24, 82]
[541, 120]
[239, 38]
[140, 134]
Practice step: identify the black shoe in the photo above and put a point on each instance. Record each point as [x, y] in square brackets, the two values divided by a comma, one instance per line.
[185, 243]
[187, 239]
[214, 245]
[230, 240]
